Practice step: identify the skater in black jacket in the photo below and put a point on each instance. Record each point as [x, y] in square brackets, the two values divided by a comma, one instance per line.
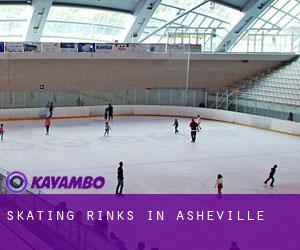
[120, 177]
[271, 176]
[176, 124]
[110, 112]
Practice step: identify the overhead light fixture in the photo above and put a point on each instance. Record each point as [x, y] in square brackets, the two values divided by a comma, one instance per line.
[150, 6]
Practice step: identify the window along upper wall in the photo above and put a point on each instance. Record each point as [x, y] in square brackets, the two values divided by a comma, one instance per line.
[206, 25]
[73, 24]
[14, 22]
[277, 29]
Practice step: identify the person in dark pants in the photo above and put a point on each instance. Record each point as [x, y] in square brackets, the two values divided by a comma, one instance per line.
[271, 176]
[120, 179]
[47, 125]
[105, 113]
[176, 124]
[51, 107]
[291, 117]
[1, 131]
[194, 126]
[110, 112]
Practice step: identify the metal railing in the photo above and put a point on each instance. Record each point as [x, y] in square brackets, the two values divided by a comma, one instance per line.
[255, 42]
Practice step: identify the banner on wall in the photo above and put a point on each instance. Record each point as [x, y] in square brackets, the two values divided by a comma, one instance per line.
[1, 47]
[138, 47]
[86, 47]
[176, 48]
[68, 47]
[193, 48]
[32, 47]
[157, 48]
[13, 47]
[104, 47]
[50, 47]
[122, 47]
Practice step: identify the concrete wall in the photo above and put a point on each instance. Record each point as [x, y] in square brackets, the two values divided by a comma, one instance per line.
[219, 115]
[79, 72]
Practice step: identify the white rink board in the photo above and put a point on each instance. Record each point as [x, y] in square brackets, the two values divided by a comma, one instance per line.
[213, 114]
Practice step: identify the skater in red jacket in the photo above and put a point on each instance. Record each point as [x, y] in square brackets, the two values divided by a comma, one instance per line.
[2, 131]
[194, 127]
[47, 125]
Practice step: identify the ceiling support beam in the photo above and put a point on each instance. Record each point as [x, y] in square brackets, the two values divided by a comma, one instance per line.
[173, 20]
[252, 11]
[40, 13]
[143, 13]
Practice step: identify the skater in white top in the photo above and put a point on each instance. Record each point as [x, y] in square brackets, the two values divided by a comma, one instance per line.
[198, 120]
[219, 184]
[107, 129]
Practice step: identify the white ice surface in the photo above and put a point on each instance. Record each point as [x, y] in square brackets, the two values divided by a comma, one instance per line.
[155, 159]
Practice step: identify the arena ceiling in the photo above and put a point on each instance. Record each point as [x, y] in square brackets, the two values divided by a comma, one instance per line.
[217, 25]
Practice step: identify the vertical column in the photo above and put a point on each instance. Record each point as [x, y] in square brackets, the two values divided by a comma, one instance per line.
[40, 13]
[25, 100]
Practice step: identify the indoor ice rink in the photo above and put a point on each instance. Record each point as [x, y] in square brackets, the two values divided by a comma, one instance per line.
[156, 160]
[234, 63]
[67, 64]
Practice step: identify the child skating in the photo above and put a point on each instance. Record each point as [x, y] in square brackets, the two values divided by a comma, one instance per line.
[219, 184]
[198, 120]
[1, 131]
[47, 125]
[106, 114]
[176, 125]
[107, 129]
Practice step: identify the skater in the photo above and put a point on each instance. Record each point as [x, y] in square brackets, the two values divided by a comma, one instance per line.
[51, 107]
[291, 117]
[176, 124]
[47, 125]
[194, 127]
[120, 177]
[110, 112]
[271, 176]
[234, 246]
[1, 131]
[107, 128]
[219, 184]
[198, 120]
[105, 113]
